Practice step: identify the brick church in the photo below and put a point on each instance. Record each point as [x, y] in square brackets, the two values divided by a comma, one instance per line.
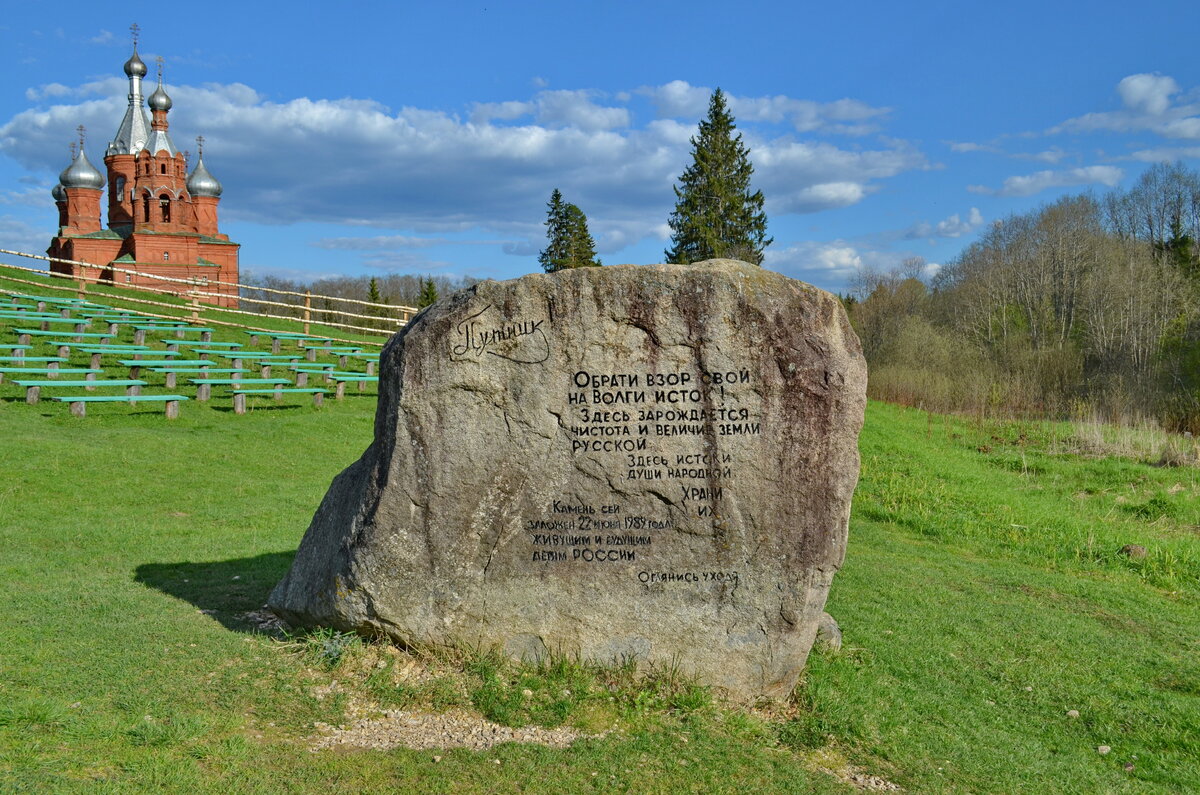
[161, 219]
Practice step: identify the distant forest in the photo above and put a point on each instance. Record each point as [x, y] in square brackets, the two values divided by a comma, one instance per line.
[395, 289]
[1085, 308]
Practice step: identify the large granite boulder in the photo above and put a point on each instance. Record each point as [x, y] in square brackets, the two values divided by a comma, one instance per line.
[650, 462]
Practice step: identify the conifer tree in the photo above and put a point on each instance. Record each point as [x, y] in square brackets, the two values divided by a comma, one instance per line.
[570, 243]
[429, 293]
[374, 297]
[581, 247]
[557, 252]
[715, 213]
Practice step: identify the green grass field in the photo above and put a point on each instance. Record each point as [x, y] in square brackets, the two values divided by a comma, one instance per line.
[984, 595]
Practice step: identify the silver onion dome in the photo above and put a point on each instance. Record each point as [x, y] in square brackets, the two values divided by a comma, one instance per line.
[58, 193]
[81, 174]
[159, 99]
[134, 66]
[201, 183]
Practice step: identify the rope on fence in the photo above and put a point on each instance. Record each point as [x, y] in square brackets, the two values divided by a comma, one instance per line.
[184, 308]
[194, 282]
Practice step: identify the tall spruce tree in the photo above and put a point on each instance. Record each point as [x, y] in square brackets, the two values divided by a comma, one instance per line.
[570, 243]
[429, 293]
[715, 213]
[581, 246]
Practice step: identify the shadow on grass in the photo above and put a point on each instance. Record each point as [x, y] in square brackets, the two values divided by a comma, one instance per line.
[225, 589]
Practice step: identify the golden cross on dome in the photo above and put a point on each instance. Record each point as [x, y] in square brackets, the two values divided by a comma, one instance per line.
[81, 130]
[159, 61]
[200, 145]
[134, 30]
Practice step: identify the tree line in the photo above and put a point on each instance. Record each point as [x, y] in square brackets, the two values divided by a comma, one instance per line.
[1089, 305]
[395, 289]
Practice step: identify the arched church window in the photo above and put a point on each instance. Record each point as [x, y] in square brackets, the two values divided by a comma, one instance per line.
[162, 168]
[166, 256]
[119, 187]
[164, 203]
[146, 208]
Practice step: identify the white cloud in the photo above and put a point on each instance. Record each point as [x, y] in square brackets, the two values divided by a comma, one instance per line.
[17, 235]
[680, 99]
[817, 261]
[1051, 155]
[403, 261]
[954, 226]
[397, 242]
[38, 196]
[103, 37]
[430, 173]
[250, 272]
[483, 112]
[378, 242]
[967, 146]
[802, 177]
[575, 109]
[1147, 93]
[1166, 153]
[1030, 184]
[555, 109]
[1147, 101]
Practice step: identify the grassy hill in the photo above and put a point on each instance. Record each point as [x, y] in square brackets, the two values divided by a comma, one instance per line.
[984, 596]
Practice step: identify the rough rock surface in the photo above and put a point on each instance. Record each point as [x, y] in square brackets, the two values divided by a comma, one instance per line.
[649, 462]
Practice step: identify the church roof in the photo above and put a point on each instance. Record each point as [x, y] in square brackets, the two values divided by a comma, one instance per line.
[159, 140]
[134, 132]
[81, 174]
[201, 182]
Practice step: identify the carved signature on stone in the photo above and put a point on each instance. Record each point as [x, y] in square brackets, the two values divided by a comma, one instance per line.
[521, 341]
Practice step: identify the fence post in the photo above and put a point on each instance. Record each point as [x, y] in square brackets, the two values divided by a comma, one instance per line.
[195, 306]
[82, 282]
[307, 309]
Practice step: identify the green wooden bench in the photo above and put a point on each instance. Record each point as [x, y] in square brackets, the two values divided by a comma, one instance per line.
[25, 335]
[49, 372]
[204, 385]
[239, 395]
[304, 370]
[79, 402]
[135, 365]
[33, 389]
[139, 331]
[277, 337]
[173, 372]
[311, 351]
[43, 359]
[341, 379]
[45, 319]
[42, 300]
[208, 346]
[265, 363]
[77, 324]
[369, 358]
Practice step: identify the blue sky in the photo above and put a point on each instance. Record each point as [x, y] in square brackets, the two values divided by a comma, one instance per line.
[396, 137]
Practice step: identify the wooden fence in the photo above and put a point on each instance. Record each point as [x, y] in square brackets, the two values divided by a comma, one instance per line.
[292, 308]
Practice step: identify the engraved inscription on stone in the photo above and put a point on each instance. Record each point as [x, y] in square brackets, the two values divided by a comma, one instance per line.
[623, 462]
